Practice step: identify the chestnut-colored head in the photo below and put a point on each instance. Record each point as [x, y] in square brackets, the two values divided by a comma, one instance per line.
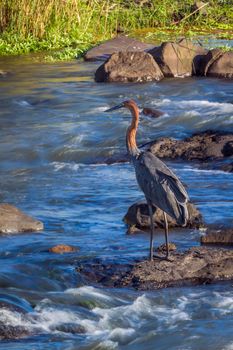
[130, 104]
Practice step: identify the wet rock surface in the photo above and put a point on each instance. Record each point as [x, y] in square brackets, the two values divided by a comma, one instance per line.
[137, 217]
[120, 43]
[202, 146]
[129, 67]
[180, 59]
[8, 332]
[12, 220]
[198, 265]
[223, 236]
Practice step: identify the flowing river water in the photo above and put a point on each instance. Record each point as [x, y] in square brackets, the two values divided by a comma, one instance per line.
[55, 140]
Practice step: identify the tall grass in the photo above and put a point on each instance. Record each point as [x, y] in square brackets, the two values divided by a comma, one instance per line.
[35, 25]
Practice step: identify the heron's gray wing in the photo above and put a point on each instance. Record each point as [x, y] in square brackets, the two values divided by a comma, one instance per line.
[161, 186]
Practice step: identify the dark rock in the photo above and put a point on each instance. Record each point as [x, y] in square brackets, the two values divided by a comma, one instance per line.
[221, 236]
[70, 328]
[8, 331]
[129, 67]
[203, 146]
[228, 149]
[199, 265]
[151, 112]
[116, 158]
[12, 220]
[63, 248]
[212, 148]
[219, 64]
[110, 274]
[180, 59]
[121, 43]
[227, 167]
[137, 217]
[171, 246]
[208, 59]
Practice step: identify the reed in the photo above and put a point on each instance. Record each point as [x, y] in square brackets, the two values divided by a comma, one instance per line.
[41, 25]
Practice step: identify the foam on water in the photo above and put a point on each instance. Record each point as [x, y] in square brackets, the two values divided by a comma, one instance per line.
[113, 326]
[88, 291]
[61, 166]
[223, 107]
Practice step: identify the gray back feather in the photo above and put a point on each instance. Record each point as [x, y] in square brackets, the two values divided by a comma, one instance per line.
[161, 186]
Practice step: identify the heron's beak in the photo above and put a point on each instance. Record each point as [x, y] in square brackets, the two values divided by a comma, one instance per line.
[115, 107]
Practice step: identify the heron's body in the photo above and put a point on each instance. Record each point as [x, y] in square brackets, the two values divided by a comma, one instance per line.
[160, 185]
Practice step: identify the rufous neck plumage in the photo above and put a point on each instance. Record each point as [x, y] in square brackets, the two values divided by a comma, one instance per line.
[131, 143]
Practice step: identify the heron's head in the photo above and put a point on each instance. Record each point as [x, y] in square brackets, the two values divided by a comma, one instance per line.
[130, 104]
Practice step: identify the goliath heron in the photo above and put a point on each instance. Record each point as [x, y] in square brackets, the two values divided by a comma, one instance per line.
[160, 185]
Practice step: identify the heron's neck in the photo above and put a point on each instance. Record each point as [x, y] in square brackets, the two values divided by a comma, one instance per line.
[131, 143]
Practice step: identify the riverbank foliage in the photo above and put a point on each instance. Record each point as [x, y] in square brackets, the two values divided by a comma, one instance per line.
[69, 27]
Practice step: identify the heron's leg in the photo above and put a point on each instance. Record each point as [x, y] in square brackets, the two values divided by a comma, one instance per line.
[166, 233]
[151, 230]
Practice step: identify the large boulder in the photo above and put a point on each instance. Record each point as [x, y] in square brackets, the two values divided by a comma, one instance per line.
[180, 59]
[12, 220]
[202, 146]
[129, 66]
[219, 64]
[121, 43]
[137, 217]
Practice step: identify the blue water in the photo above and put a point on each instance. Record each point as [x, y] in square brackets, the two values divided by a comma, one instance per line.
[55, 140]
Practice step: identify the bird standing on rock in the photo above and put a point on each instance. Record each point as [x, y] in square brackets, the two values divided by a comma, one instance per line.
[160, 185]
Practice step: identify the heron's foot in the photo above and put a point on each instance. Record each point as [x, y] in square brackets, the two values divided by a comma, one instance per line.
[166, 257]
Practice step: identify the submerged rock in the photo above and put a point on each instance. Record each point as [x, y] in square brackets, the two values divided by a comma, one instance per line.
[129, 66]
[151, 112]
[120, 43]
[137, 217]
[218, 236]
[198, 265]
[227, 167]
[12, 220]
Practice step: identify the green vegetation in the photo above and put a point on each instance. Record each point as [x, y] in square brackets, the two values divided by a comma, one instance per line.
[67, 28]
